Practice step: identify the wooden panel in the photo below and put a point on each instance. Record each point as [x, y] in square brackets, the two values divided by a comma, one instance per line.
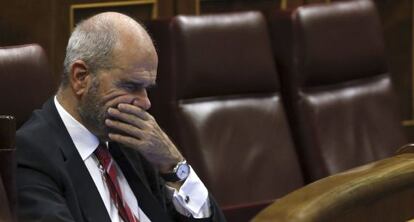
[187, 7]
[47, 22]
[27, 21]
[397, 22]
[166, 8]
[140, 10]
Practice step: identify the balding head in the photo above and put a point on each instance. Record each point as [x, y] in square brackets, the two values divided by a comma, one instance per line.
[94, 41]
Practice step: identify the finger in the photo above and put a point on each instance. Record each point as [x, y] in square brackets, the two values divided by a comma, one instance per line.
[135, 110]
[127, 118]
[126, 128]
[128, 141]
[115, 98]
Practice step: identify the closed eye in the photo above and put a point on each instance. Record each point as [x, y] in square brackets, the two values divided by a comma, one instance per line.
[134, 86]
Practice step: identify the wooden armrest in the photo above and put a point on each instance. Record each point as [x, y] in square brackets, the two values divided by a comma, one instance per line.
[380, 191]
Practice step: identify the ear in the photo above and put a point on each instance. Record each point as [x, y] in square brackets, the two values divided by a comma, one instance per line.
[79, 77]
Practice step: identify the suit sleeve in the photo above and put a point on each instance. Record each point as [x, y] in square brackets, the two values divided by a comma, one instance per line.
[40, 196]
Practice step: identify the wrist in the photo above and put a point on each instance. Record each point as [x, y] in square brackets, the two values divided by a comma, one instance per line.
[169, 167]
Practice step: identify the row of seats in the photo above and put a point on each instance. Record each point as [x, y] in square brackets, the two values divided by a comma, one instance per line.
[261, 106]
[218, 96]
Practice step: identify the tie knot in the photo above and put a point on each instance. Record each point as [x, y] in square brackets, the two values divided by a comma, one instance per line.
[103, 155]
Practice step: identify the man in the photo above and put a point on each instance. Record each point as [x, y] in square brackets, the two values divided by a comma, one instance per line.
[65, 172]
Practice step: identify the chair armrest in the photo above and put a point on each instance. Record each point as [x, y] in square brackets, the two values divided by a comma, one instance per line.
[379, 191]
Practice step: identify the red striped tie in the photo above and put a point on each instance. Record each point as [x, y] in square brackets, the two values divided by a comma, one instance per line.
[105, 158]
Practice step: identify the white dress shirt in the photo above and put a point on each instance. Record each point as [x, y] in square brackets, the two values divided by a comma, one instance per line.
[191, 199]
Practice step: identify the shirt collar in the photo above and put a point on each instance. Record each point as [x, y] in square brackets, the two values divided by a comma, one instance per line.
[85, 142]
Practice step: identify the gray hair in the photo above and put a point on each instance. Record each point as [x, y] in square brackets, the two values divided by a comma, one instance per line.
[92, 41]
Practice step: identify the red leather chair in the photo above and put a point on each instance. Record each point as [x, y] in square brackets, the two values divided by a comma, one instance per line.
[218, 96]
[336, 85]
[26, 81]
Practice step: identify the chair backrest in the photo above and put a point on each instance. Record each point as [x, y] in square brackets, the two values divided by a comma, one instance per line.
[218, 97]
[8, 200]
[26, 81]
[381, 191]
[336, 85]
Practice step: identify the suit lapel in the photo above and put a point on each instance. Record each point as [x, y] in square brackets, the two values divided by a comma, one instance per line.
[130, 164]
[89, 198]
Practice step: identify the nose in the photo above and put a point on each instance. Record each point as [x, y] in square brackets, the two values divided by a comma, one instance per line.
[142, 101]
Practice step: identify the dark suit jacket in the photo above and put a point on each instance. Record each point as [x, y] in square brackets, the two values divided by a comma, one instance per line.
[54, 183]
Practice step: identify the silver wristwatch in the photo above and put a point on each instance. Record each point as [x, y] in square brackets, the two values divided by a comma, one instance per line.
[179, 173]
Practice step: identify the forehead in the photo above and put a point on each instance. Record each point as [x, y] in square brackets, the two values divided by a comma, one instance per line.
[135, 54]
[138, 75]
[136, 57]
[138, 69]
[134, 41]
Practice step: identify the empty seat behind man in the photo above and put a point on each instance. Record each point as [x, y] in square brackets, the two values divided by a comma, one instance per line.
[26, 81]
[218, 96]
[337, 86]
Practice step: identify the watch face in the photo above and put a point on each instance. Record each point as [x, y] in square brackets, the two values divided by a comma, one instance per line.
[183, 171]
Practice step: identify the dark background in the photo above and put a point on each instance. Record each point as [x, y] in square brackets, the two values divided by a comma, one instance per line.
[49, 22]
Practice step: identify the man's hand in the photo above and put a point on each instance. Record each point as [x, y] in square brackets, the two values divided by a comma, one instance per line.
[141, 132]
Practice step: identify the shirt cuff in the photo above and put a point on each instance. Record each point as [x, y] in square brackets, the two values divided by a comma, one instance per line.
[192, 198]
